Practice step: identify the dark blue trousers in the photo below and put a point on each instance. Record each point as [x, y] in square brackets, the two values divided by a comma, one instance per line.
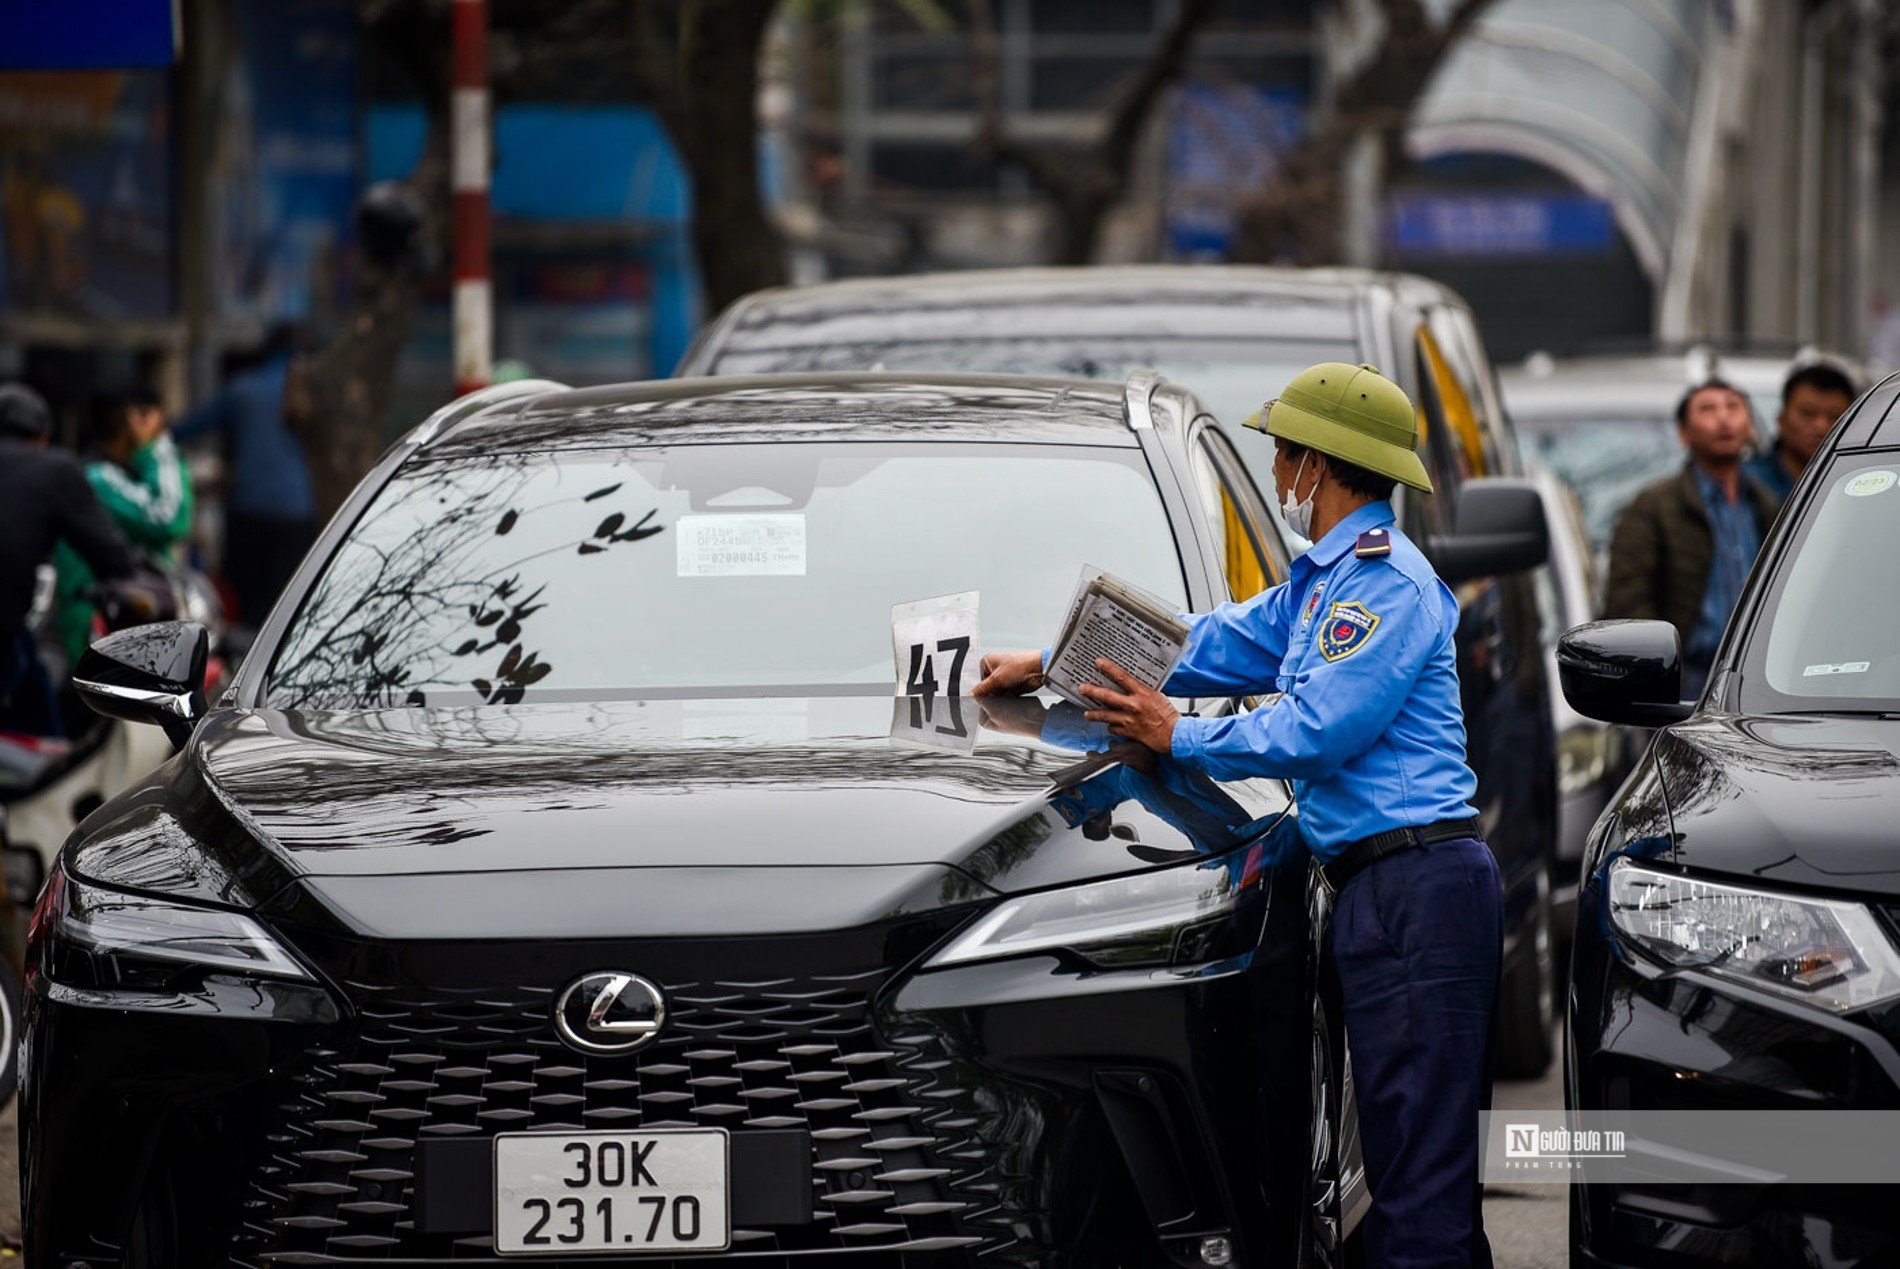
[1417, 939]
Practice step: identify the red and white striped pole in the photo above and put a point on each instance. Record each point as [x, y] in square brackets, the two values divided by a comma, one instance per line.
[469, 164]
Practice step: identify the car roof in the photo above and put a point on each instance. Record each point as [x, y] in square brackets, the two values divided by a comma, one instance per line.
[1873, 422]
[1246, 300]
[1642, 383]
[846, 406]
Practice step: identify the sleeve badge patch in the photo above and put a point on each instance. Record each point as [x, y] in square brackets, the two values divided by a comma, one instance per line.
[1348, 626]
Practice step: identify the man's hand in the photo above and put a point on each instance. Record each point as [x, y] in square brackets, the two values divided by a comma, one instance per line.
[1137, 712]
[1009, 674]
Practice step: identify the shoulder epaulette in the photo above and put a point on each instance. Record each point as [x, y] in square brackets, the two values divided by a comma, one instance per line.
[1373, 543]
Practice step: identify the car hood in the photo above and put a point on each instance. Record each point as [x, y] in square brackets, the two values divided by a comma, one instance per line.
[1800, 800]
[840, 782]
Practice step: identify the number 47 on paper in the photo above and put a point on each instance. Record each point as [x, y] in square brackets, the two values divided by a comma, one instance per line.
[934, 646]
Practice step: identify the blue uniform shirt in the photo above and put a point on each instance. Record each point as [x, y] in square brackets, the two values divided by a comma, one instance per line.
[1369, 729]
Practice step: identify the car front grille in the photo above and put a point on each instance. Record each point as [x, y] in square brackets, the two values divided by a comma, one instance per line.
[903, 1157]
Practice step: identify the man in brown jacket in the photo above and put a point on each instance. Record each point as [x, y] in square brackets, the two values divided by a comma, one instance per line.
[1684, 545]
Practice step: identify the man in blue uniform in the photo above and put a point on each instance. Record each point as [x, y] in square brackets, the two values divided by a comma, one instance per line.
[1370, 732]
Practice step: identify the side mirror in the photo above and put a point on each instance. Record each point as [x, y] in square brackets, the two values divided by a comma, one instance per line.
[148, 674]
[1499, 528]
[1624, 672]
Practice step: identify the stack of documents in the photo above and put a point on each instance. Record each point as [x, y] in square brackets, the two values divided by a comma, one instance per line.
[1110, 618]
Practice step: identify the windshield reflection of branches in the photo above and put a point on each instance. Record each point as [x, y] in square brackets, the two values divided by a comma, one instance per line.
[419, 600]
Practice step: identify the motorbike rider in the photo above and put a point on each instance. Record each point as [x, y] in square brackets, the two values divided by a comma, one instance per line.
[142, 482]
[44, 498]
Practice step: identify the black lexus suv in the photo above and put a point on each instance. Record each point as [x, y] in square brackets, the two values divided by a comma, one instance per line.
[1738, 932]
[566, 874]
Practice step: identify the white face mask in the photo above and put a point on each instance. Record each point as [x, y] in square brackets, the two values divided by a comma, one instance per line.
[1299, 515]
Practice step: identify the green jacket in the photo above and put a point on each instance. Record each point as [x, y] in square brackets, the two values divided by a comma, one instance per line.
[151, 503]
[1662, 551]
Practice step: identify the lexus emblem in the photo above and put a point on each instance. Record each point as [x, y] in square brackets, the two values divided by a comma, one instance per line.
[609, 1012]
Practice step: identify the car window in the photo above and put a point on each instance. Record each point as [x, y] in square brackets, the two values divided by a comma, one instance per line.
[1442, 455]
[1829, 635]
[1468, 446]
[728, 568]
[1245, 540]
[1463, 348]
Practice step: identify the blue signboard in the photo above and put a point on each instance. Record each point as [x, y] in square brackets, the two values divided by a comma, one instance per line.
[86, 193]
[557, 162]
[596, 164]
[87, 34]
[289, 174]
[1499, 223]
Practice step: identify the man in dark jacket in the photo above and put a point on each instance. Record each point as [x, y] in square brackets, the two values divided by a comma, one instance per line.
[44, 497]
[1684, 545]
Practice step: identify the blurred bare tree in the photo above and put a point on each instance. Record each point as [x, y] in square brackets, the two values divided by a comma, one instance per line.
[1084, 183]
[337, 397]
[1298, 218]
[695, 63]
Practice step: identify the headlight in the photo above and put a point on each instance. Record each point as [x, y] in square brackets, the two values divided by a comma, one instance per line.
[128, 931]
[1822, 951]
[1183, 914]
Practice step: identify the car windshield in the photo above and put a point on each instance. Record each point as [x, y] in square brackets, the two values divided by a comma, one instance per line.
[1829, 637]
[1606, 460]
[707, 569]
[1232, 377]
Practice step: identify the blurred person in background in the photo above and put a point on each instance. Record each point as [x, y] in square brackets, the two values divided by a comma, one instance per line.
[1683, 547]
[44, 499]
[1813, 397]
[137, 473]
[270, 511]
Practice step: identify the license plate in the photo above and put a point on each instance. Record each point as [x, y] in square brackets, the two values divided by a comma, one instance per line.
[568, 1193]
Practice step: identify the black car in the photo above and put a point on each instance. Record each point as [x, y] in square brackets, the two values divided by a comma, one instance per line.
[1236, 334]
[1736, 934]
[563, 872]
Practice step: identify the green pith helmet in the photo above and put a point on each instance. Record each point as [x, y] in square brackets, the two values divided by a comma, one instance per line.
[1349, 412]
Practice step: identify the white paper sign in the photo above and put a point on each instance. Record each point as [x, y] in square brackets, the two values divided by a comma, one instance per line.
[935, 722]
[934, 646]
[771, 545]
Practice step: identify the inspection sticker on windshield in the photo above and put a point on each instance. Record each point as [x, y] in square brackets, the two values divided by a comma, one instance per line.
[741, 546]
[1869, 483]
[934, 644]
[1837, 667]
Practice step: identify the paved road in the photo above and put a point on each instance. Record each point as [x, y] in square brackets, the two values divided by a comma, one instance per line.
[1526, 1223]
[1529, 1224]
